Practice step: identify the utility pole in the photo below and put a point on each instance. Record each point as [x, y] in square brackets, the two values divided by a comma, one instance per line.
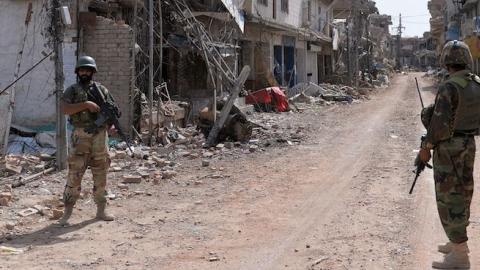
[349, 65]
[399, 40]
[133, 74]
[369, 49]
[61, 127]
[356, 37]
[160, 58]
[150, 71]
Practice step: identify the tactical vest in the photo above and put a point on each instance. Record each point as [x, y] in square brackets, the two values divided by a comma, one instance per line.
[84, 118]
[467, 116]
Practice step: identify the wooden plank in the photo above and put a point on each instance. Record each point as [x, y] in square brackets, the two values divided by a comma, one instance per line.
[212, 137]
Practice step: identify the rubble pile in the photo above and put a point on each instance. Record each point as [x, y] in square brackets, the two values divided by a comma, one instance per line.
[325, 94]
[24, 164]
[133, 173]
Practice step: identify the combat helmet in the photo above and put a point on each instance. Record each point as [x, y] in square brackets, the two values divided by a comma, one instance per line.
[456, 53]
[86, 62]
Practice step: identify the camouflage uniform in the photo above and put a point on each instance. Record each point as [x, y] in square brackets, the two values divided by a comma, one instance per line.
[453, 157]
[87, 150]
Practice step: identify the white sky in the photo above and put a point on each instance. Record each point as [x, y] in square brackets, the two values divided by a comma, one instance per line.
[415, 15]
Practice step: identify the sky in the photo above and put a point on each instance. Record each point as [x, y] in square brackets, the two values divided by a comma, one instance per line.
[415, 15]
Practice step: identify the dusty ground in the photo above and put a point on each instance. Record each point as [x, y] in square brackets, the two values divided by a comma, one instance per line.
[338, 201]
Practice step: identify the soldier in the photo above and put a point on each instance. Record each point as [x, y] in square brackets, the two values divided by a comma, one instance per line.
[454, 122]
[87, 149]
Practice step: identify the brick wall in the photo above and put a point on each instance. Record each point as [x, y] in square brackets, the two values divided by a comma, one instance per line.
[110, 44]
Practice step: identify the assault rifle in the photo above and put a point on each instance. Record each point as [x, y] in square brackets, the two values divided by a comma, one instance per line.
[420, 165]
[108, 115]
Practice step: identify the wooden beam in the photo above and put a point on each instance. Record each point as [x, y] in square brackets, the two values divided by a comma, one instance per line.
[212, 137]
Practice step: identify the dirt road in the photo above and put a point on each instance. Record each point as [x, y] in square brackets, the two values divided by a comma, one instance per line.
[339, 201]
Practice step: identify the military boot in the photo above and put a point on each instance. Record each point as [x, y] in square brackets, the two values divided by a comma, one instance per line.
[67, 213]
[101, 214]
[447, 248]
[456, 259]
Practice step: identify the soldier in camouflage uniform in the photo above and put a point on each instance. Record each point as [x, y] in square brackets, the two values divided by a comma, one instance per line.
[454, 122]
[87, 149]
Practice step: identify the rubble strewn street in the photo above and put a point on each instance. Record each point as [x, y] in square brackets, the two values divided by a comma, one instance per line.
[232, 134]
[235, 204]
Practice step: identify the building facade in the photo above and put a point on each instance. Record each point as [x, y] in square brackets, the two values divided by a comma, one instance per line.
[286, 42]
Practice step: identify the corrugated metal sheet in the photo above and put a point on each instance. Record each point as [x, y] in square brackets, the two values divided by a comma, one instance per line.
[234, 9]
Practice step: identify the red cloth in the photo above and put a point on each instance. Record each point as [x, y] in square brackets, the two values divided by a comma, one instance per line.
[281, 100]
[273, 96]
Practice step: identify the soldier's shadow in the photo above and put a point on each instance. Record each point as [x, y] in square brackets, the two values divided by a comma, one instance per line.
[49, 235]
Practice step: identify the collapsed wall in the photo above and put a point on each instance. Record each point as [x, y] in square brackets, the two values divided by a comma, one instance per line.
[110, 43]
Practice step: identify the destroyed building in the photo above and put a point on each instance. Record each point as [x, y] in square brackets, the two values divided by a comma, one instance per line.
[96, 28]
[381, 41]
[354, 52]
[161, 60]
[456, 20]
[287, 42]
[418, 52]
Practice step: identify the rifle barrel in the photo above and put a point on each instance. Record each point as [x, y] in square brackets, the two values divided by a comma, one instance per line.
[414, 183]
[419, 94]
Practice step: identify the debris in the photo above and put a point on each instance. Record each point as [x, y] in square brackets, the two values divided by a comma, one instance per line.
[310, 89]
[338, 98]
[205, 163]
[169, 174]
[160, 161]
[46, 157]
[10, 225]
[144, 174]
[56, 214]
[4, 202]
[207, 154]
[122, 186]
[229, 145]
[40, 209]
[269, 99]
[213, 259]
[138, 153]
[12, 168]
[7, 196]
[302, 98]
[28, 212]
[222, 119]
[120, 154]
[10, 250]
[31, 178]
[116, 169]
[317, 262]
[132, 179]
